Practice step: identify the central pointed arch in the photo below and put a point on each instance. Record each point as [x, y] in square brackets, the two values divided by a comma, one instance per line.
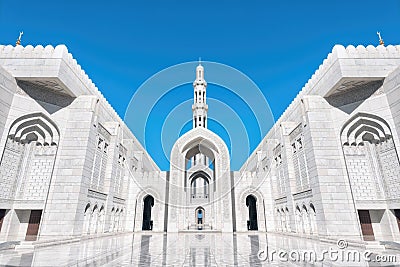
[200, 142]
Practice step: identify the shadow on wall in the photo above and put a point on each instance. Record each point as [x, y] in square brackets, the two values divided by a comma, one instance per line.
[353, 95]
[45, 95]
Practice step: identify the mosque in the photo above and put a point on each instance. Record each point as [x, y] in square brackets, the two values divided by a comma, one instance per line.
[328, 168]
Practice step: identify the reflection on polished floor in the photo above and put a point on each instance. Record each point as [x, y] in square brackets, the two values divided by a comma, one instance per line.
[183, 249]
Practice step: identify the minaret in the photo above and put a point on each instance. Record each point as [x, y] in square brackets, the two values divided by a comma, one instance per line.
[199, 106]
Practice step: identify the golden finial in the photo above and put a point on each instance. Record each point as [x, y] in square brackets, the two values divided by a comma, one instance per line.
[380, 38]
[19, 38]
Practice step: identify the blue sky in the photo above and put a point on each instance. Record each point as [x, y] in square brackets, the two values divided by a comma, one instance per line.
[278, 44]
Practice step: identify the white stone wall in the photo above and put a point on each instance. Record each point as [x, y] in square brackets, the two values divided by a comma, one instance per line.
[391, 88]
[9, 168]
[36, 185]
[306, 178]
[153, 184]
[362, 178]
[334, 180]
[8, 87]
[256, 185]
[389, 162]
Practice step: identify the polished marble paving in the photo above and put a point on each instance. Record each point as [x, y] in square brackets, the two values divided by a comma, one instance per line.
[192, 249]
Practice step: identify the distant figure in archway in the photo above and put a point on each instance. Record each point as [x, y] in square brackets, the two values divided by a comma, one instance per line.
[200, 217]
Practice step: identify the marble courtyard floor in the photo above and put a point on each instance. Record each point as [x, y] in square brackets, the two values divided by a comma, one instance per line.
[193, 249]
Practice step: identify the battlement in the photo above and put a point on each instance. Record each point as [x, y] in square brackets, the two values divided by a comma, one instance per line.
[54, 69]
[344, 69]
[49, 67]
[360, 57]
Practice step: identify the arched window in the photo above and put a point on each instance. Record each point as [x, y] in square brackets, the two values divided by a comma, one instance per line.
[313, 219]
[287, 219]
[86, 220]
[94, 220]
[116, 220]
[199, 188]
[121, 220]
[299, 220]
[100, 227]
[111, 229]
[306, 220]
[283, 219]
[279, 220]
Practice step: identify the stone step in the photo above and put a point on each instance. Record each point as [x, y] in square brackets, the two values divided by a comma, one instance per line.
[204, 231]
[374, 245]
[200, 227]
[25, 245]
[9, 245]
[391, 244]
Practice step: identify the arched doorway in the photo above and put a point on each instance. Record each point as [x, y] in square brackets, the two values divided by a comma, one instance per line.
[148, 203]
[251, 203]
[199, 216]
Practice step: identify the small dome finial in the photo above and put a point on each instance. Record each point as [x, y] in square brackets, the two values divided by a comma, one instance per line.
[199, 61]
[19, 38]
[380, 38]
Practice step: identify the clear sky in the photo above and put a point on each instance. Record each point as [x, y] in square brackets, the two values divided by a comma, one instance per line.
[277, 44]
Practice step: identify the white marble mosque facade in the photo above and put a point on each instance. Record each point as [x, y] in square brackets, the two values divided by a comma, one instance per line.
[328, 168]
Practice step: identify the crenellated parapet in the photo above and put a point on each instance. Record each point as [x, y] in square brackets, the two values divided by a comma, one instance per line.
[344, 69]
[349, 54]
[8, 53]
[53, 70]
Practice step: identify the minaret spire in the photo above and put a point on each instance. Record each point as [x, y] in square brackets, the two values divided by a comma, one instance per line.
[199, 106]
